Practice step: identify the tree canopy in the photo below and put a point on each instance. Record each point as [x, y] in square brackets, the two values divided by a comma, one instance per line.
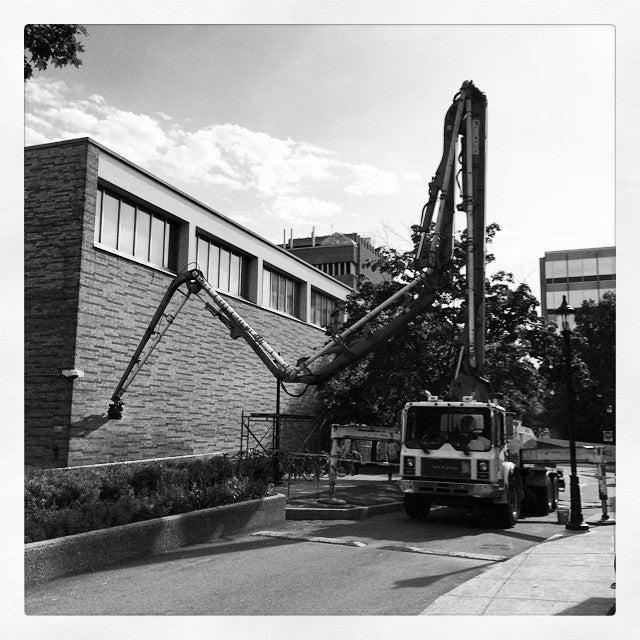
[56, 44]
[524, 355]
[424, 355]
[593, 370]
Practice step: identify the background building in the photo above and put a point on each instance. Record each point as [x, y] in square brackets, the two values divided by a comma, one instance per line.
[341, 255]
[579, 274]
[103, 239]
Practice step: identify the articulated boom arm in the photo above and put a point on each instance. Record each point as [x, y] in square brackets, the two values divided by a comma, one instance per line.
[466, 118]
[343, 351]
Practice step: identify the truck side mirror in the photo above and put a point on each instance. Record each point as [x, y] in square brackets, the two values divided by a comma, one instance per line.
[509, 428]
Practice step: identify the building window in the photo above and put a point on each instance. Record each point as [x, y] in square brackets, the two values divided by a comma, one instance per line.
[556, 269]
[224, 269]
[606, 266]
[280, 292]
[123, 225]
[322, 308]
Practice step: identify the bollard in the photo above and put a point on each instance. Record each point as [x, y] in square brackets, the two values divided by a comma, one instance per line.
[332, 465]
[602, 484]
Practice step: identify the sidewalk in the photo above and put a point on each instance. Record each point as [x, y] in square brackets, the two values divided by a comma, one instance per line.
[569, 574]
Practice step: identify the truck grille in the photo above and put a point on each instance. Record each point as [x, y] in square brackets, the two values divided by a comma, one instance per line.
[444, 468]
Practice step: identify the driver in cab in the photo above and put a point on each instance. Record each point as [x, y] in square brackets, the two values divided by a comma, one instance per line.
[470, 428]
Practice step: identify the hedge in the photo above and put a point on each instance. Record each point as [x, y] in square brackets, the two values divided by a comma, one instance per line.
[61, 502]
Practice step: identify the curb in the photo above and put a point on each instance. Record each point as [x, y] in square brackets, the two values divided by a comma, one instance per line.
[348, 513]
[51, 559]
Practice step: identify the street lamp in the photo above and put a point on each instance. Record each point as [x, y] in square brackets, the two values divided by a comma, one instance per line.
[610, 422]
[566, 314]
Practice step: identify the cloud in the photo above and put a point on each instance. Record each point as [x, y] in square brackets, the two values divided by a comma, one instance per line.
[302, 209]
[280, 172]
[369, 181]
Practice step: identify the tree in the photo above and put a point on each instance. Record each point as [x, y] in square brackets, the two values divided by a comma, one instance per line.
[424, 355]
[51, 43]
[592, 372]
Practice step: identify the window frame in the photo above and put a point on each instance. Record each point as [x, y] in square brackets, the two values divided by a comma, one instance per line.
[168, 224]
[279, 280]
[243, 261]
[323, 311]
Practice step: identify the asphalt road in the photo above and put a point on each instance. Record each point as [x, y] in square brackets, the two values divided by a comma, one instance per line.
[368, 567]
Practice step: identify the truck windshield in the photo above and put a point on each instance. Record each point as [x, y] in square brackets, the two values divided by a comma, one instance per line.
[465, 429]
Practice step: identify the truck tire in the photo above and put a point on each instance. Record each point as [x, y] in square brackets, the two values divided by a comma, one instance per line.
[416, 507]
[544, 498]
[509, 513]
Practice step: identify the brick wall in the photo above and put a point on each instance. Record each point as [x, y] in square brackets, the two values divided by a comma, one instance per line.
[188, 398]
[55, 193]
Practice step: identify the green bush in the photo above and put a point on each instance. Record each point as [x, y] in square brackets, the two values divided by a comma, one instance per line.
[60, 502]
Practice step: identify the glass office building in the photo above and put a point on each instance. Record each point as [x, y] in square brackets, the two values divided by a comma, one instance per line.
[578, 274]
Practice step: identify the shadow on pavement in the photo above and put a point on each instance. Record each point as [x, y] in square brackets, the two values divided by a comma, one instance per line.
[591, 607]
[200, 551]
[443, 524]
[426, 581]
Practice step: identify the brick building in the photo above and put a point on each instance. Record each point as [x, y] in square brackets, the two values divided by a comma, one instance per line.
[341, 255]
[103, 239]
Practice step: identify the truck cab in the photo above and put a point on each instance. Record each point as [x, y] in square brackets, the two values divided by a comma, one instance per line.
[466, 453]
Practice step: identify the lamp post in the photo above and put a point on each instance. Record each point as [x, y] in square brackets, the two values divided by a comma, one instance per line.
[610, 422]
[566, 316]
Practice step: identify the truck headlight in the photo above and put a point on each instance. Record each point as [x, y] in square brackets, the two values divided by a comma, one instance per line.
[483, 469]
[409, 466]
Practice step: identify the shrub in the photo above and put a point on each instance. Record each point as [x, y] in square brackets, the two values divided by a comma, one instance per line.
[60, 502]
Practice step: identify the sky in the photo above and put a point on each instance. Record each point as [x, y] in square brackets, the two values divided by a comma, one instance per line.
[340, 127]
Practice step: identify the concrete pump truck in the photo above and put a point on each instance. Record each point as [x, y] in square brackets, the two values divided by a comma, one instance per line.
[456, 452]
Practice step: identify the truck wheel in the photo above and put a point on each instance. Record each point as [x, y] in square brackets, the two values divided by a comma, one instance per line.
[509, 514]
[416, 507]
[544, 498]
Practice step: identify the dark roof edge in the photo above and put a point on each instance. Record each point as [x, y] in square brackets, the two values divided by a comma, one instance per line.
[607, 248]
[184, 195]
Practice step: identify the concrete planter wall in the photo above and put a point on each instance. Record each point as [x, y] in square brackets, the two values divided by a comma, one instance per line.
[60, 557]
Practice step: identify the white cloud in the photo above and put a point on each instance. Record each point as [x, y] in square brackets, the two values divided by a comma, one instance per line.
[42, 92]
[32, 137]
[302, 208]
[69, 117]
[228, 156]
[369, 181]
[413, 176]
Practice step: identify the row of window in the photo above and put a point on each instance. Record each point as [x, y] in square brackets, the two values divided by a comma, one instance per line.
[224, 269]
[607, 276]
[280, 292]
[153, 238]
[337, 268]
[574, 298]
[580, 267]
[131, 229]
[323, 309]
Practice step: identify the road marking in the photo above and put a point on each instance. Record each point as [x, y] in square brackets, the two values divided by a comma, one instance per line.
[441, 552]
[298, 536]
[349, 542]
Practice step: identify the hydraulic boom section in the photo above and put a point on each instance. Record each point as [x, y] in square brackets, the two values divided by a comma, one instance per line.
[465, 127]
